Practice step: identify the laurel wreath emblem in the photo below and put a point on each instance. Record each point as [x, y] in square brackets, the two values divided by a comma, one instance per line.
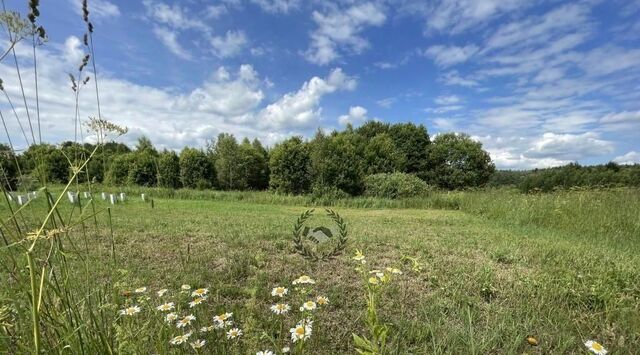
[311, 254]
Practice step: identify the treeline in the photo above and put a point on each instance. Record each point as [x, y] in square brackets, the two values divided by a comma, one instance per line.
[337, 162]
[568, 176]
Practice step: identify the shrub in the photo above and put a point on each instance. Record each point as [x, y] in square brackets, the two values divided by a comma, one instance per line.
[395, 185]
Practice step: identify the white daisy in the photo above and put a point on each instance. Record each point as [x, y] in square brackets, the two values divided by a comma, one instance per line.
[234, 333]
[280, 308]
[279, 291]
[304, 279]
[322, 300]
[302, 331]
[140, 290]
[359, 257]
[265, 352]
[286, 349]
[207, 329]
[222, 319]
[171, 317]
[185, 287]
[309, 306]
[393, 270]
[198, 344]
[185, 321]
[129, 311]
[166, 307]
[197, 301]
[595, 347]
[200, 292]
[180, 339]
[162, 292]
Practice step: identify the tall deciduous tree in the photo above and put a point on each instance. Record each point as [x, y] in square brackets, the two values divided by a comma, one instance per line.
[337, 161]
[289, 164]
[413, 141]
[196, 170]
[169, 170]
[458, 161]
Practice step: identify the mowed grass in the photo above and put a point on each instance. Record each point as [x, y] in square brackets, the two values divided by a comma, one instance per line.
[487, 282]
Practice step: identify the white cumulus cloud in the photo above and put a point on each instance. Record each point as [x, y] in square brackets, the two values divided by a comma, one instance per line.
[341, 30]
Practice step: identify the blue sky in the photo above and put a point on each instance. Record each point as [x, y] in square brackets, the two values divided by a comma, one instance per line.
[539, 83]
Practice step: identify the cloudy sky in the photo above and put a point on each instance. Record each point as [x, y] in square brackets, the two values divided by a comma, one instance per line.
[538, 82]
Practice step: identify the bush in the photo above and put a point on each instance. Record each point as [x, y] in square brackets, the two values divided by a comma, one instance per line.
[395, 185]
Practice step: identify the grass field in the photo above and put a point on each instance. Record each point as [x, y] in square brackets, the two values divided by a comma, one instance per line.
[497, 267]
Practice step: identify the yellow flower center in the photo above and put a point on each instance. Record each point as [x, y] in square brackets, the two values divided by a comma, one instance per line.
[596, 346]
[300, 331]
[280, 290]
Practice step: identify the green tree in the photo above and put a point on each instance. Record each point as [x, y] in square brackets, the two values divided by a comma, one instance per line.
[253, 167]
[118, 173]
[260, 180]
[8, 168]
[143, 170]
[382, 156]
[337, 161]
[413, 141]
[196, 170]
[458, 161]
[289, 163]
[370, 129]
[144, 145]
[227, 156]
[169, 170]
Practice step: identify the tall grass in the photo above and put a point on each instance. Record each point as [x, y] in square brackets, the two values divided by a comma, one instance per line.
[610, 215]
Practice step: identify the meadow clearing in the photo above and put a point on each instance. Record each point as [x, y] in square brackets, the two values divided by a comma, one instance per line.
[481, 272]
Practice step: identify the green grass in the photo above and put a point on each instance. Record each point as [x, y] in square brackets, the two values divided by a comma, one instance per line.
[562, 267]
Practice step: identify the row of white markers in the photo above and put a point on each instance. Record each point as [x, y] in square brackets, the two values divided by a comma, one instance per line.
[72, 196]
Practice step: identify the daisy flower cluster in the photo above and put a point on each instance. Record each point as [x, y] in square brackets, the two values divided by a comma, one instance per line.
[185, 311]
[375, 277]
[286, 300]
